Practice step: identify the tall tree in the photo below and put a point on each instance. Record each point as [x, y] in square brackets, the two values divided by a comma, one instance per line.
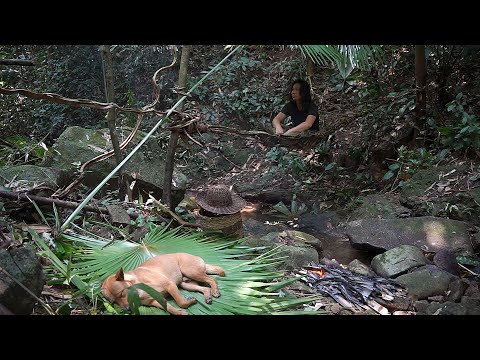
[111, 116]
[174, 135]
[420, 84]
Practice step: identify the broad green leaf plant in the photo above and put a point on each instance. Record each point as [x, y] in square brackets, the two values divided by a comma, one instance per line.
[250, 286]
[345, 56]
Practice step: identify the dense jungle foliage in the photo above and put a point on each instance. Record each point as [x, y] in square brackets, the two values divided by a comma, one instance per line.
[245, 92]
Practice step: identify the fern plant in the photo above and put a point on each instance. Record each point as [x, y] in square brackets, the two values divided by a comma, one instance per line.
[296, 209]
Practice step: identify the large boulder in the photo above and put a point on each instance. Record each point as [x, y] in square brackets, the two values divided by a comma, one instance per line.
[298, 249]
[23, 265]
[146, 167]
[426, 232]
[31, 178]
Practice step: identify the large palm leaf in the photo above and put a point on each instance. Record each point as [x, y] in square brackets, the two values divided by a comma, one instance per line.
[361, 56]
[247, 288]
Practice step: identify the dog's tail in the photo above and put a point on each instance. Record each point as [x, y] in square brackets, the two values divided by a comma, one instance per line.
[214, 270]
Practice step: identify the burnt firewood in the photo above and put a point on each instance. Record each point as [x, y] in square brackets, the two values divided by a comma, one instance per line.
[352, 290]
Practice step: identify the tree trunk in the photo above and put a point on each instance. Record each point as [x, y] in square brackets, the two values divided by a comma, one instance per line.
[173, 141]
[310, 67]
[420, 82]
[111, 116]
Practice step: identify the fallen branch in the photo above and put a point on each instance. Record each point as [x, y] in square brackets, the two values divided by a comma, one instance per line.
[48, 201]
[305, 140]
[56, 98]
[17, 62]
[60, 203]
[468, 270]
[59, 99]
[171, 213]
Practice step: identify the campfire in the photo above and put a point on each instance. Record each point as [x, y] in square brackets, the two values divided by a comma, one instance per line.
[351, 290]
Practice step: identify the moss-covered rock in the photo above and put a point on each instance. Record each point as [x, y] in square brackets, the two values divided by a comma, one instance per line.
[377, 205]
[28, 177]
[77, 145]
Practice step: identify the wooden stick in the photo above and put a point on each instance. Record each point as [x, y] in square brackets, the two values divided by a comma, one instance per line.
[172, 214]
[467, 269]
[48, 201]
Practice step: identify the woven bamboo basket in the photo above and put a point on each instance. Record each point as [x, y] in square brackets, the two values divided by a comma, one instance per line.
[231, 225]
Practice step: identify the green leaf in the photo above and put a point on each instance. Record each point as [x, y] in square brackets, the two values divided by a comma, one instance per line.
[330, 166]
[388, 175]
[282, 208]
[447, 131]
[294, 205]
[133, 300]
[468, 260]
[150, 291]
[394, 166]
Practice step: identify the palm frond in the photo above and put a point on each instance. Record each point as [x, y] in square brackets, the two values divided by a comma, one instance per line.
[361, 56]
[320, 54]
[250, 286]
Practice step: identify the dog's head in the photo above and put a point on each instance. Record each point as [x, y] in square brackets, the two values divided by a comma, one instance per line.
[115, 289]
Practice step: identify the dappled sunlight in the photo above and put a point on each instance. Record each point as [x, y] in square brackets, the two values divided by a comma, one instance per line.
[250, 208]
[250, 211]
[435, 234]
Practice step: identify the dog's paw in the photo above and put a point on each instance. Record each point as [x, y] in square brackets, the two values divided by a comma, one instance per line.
[191, 300]
[208, 300]
[216, 294]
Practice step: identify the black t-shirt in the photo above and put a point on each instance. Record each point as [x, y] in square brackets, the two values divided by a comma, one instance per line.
[290, 109]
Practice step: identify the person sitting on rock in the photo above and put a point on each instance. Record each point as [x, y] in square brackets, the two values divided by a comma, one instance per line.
[301, 109]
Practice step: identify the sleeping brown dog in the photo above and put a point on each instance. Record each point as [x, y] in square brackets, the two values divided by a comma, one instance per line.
[165, 273]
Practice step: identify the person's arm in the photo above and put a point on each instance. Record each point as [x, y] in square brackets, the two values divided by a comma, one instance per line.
[276, 122]
[307, 124]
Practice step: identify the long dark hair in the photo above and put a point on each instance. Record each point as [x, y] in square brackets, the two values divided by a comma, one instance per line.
[304, 92]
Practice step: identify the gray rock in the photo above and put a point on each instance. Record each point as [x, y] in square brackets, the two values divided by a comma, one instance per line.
[22, 264]
[445, 259]
[23, 178]
[431, 233]
[360, 268]
[425, 282]
[398, 261]
[378, 206]
[456, 289]
[447, 308]
[299, 249]
[421, 307]
[146, 167]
